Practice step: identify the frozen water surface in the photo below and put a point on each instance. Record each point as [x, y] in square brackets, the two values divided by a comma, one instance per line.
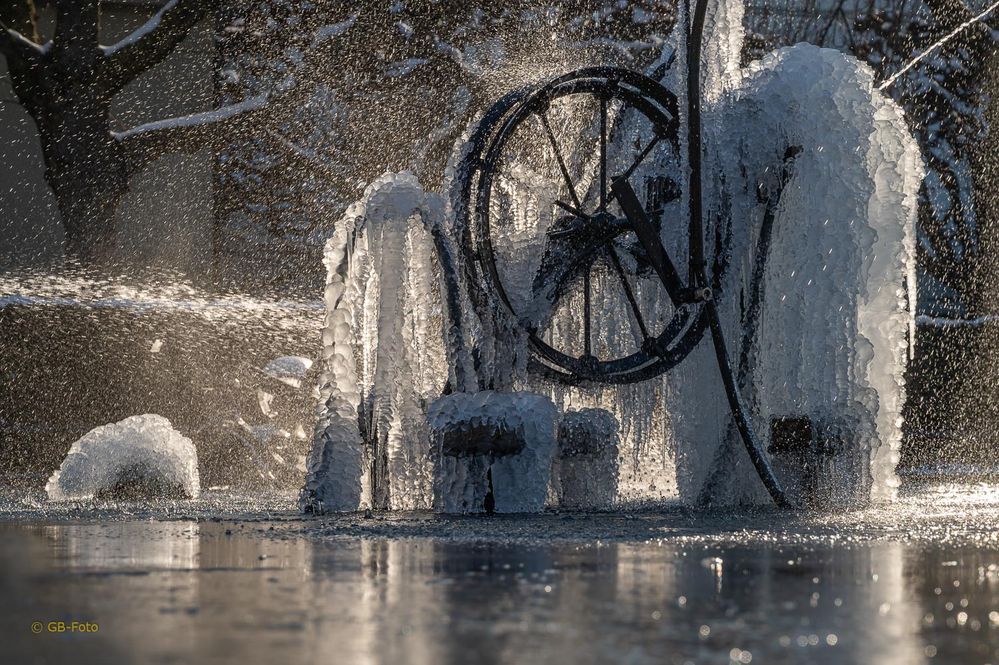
[914, 582]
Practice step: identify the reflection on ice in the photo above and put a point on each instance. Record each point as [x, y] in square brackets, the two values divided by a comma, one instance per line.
[238, 590]
[125, 546]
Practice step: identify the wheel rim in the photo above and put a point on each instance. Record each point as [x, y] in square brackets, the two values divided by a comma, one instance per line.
[613, 90]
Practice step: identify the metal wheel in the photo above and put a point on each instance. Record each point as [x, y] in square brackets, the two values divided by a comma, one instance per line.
[571, 196]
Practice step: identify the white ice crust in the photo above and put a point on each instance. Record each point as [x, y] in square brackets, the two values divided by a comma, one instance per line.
[382, 348]
[147, 442]
[288, 369]
[839, 285]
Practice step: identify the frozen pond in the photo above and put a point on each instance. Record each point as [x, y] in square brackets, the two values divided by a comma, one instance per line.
[915, 583]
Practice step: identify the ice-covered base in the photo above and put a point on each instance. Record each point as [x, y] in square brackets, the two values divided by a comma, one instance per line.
[509, 437]
[584, 476]
[810, 191]
[139, 457]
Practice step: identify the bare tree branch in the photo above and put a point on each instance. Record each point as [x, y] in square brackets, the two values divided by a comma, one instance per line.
[142, 144]
[21, 15]
[190, 133]
[147, 46]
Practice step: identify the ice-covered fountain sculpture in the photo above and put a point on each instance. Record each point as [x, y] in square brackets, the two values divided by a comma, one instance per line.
[608, 243]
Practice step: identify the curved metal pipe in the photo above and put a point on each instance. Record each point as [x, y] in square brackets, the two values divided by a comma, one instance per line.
[698, 266]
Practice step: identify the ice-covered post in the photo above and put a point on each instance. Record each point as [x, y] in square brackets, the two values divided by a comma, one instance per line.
[387, 350]
[492, 451]
[584, 475]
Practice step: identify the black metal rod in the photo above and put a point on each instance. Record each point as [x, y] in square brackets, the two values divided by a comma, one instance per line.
[751, 319]
[572, 209]
[649, 237]
[741, 413]
[641, 157]
[558, 156]
[697, 264]
[587, 348]
[603, 153]
[616, 262]
[694, 141]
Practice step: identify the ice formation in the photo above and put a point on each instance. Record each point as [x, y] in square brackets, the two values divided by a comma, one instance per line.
[584, 475]
[290, 370]
[383, 357]
[819, 175]
[141, 456]
[490, 442]
[810, 183]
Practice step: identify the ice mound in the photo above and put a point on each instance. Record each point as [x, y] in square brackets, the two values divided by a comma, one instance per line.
[584, 475]
[290, 370]
[819, 175]
[485, 441]
[139, 457]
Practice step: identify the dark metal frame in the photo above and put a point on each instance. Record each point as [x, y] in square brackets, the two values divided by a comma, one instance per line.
[657, 353]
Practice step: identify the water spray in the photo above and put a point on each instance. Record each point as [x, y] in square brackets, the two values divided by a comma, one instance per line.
[953, 33]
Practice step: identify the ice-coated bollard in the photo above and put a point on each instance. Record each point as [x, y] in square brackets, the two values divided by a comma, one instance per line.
[492, 451]
[584, 475]
[810, 456]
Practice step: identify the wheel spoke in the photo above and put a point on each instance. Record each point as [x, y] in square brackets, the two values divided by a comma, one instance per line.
[572, 209]
[641, 157]
[603, 153]
[616, 262]
[587, 349]
[543, 117]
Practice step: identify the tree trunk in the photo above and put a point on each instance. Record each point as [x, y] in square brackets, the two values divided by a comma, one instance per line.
[67, 85]
[980, 412]
[985, 164]
[86, 171]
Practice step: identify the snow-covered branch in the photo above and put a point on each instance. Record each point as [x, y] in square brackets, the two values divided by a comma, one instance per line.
[328, 32]
[147, 142]
[17, 48]
[148, 45]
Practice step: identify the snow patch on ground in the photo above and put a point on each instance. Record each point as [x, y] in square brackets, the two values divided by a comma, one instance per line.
[290, 370]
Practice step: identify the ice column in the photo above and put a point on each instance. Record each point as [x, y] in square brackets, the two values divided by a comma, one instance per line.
[383, 353]
[813, 176]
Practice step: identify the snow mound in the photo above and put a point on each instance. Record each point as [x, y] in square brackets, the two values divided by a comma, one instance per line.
[288, 369]
[471, 435]
[139, 457]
